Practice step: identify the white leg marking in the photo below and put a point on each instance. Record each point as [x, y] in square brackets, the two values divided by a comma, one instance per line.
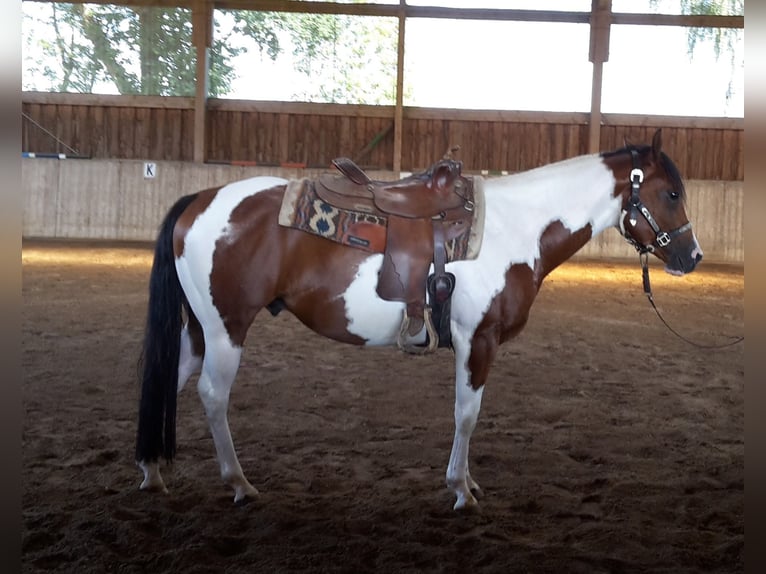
[152, 477]
[219, 368]
[467, 405]
[188, 363]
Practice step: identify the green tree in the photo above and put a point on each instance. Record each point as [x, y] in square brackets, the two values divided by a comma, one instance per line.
[149, 50]
[142, 50]
[724, 40]
[352, 58]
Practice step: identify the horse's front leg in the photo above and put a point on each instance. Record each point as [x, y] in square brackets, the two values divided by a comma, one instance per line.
[471, 369]
[219, 368]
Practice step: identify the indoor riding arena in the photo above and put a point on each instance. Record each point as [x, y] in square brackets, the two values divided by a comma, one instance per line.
[611, 434]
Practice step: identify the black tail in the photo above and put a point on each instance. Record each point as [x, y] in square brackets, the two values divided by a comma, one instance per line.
[162, 346]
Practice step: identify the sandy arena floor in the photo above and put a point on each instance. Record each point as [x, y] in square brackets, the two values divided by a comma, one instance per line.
[605, 443]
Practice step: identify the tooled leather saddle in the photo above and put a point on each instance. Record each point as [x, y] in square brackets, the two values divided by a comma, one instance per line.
[424, 211]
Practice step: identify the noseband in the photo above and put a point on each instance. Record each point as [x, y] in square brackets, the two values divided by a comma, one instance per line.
[636, 206]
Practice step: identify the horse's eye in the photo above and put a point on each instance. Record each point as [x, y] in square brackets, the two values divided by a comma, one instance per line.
[674, 195]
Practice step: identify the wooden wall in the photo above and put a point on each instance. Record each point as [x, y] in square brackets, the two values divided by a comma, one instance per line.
[112, 200]
[277, 133]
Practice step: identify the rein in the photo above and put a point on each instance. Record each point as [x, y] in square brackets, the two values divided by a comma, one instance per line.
[644, 257]
[663, 238]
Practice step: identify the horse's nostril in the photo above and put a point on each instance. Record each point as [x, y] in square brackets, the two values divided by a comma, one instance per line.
[698, 258]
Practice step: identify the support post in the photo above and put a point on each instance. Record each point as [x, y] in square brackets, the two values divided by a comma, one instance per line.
[600, 22]
[398, 108]
[202, 37]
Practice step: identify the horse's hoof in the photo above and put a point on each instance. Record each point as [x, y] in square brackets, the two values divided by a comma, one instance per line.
[244, 495]
[153, 486]
[467, 505]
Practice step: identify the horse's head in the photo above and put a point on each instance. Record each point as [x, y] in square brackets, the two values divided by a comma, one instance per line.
[653, 216]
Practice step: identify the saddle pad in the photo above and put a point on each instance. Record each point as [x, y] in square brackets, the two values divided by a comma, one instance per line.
[302, 209]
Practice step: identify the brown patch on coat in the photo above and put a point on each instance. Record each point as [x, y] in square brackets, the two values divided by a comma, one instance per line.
[509, 311]
[557, 244]
[259, 262]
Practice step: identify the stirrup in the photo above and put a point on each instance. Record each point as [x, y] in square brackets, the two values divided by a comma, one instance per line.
[433, 336]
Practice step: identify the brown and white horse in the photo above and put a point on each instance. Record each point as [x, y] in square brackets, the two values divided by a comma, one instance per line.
[221, 257]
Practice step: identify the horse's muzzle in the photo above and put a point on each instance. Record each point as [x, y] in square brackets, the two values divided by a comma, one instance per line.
[683, 264]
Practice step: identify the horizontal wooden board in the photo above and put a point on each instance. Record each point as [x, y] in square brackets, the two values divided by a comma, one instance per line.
[278, 133]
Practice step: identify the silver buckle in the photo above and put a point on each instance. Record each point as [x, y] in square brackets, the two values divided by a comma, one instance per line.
[636, 171]
[663, 239]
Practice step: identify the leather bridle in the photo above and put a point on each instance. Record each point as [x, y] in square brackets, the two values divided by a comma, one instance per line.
[636, 206]
[662, 239]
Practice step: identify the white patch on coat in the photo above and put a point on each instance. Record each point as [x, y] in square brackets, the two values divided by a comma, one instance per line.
[196, 263]
[519, 207]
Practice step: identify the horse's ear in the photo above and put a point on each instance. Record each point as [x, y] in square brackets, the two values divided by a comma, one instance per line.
[657, 144]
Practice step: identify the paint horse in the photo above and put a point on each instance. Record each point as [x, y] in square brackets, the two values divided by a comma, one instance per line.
[221, 257]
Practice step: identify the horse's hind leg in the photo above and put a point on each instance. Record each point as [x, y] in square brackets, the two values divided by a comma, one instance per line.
[189, 363]
[219, 368]
[192, 351]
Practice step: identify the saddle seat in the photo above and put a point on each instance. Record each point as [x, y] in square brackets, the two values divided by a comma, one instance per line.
[423, 212]
[426, 194]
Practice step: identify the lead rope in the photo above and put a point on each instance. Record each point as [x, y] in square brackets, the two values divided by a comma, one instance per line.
[644, 257]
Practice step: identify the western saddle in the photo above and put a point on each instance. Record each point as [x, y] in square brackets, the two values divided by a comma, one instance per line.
[423, 211]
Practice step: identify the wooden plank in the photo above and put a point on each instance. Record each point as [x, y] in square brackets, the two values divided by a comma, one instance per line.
[238, 137]
[111, 131]
[660, 121]
[156, 126]
[496, 115]
[732, 158]
[697, 159]
[97, 146]
[544, 144]
[681, 152]
[126, 133]
[558, 143]
[26, 125]
[348, 110]
[282, 137]
[714, 167]
[262, 123]
[48, 120]
[428, 137]
[301, 108]
[408, 11]
[502, 146]
[187, 143]
[33, 141]
[121, 101]
[318, 134]
[740, 164]
[577, 143]
[344, 136]
[174, 121]
[73, 130]
[143, 133]
[251, 129]
[270, 144]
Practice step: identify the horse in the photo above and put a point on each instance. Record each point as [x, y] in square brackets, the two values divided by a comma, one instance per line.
[221, 257]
